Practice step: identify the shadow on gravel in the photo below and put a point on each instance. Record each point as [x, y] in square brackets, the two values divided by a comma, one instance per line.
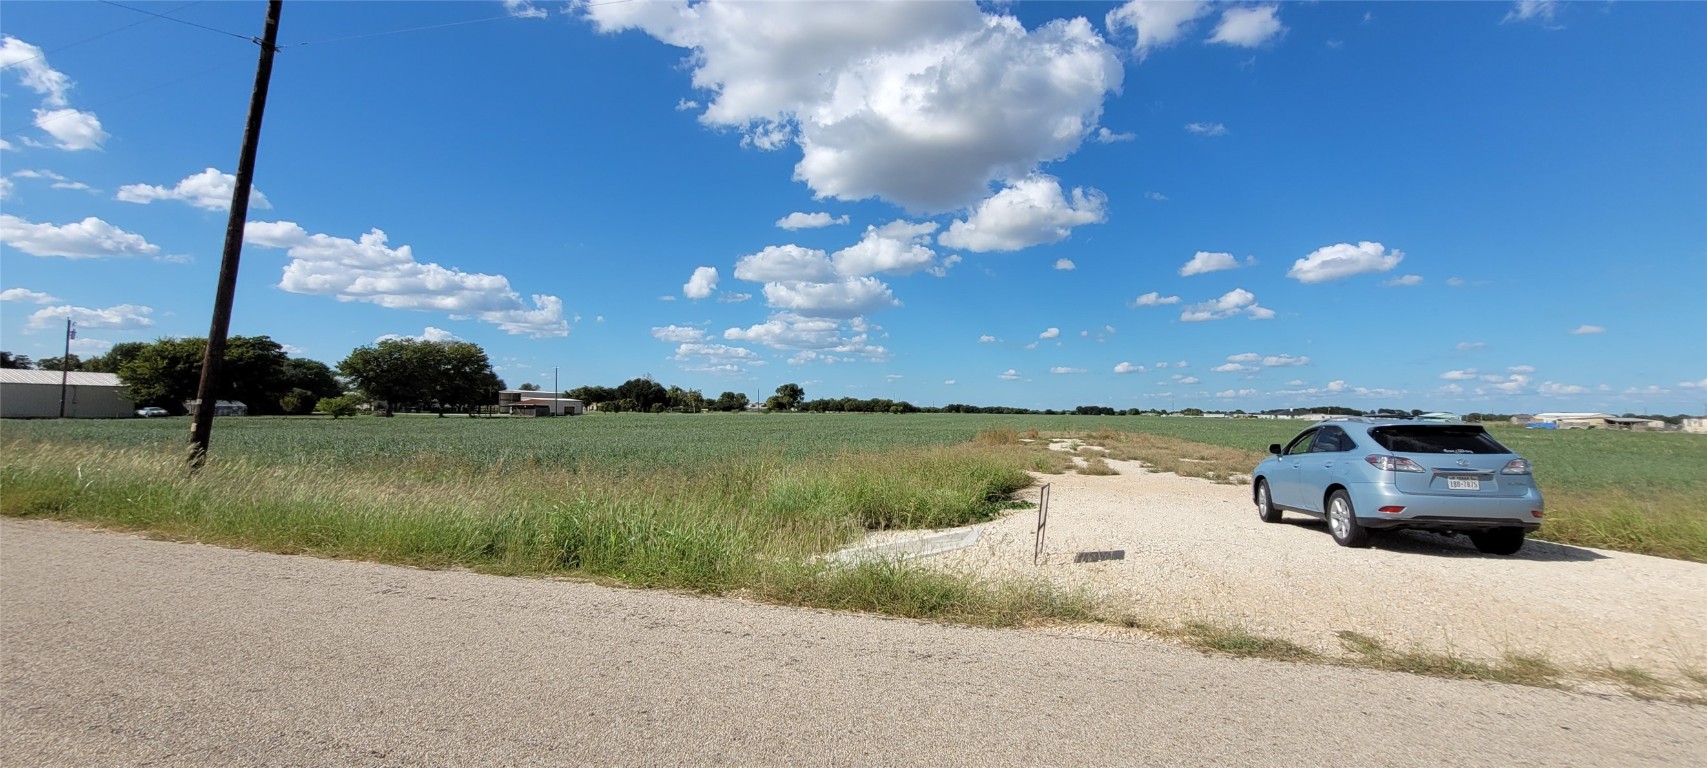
[1424, 543]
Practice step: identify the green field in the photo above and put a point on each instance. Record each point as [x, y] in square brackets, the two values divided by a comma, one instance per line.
[709, 501]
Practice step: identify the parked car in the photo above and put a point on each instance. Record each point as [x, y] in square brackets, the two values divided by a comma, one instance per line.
[1362, 474]
[152, 411]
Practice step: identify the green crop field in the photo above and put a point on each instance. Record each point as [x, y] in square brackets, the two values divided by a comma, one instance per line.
[705, 501]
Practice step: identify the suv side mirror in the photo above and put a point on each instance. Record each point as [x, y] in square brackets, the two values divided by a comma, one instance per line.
[1274, 448]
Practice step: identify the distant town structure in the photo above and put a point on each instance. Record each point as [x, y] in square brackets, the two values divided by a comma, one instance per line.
[27, 394]
[1439, 416]
[1697, 425]
[527, 402]
[1574, 420]
[220, 407]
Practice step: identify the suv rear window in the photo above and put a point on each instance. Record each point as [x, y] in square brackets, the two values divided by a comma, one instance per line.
[1421, 439]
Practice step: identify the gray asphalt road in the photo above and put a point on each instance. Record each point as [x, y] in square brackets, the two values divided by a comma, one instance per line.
[122, 651]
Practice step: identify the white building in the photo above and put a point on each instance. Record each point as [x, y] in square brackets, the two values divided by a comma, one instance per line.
[1695, 425]
[1574, 420]
[528, 402]
[35, 395]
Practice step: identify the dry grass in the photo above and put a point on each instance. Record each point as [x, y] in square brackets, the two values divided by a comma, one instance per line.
[1171, 454]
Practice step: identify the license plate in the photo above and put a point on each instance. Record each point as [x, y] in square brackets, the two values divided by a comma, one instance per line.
[1463, 484]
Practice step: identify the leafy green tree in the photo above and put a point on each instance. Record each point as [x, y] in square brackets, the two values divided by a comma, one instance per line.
[53, 363]
[311, 375]
[168, 372]
[788, 396]
[115, 358]
[9, 360]
[644, 392]
[298, 402]
[411, 373]
[343, 405]
[730, 401]
[529, 387]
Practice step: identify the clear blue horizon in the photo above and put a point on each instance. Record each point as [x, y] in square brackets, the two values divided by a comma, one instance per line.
[1490, 207]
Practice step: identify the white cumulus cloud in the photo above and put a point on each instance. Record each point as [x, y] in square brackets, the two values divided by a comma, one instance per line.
[1205, 261]
[1248, 27]
[895, 248]
[25, 294]
[209, 189]
[1065, 265]
[1402, 280]
[701, 284]
[370, 271]
[1031, 211]
[124, 317]
[1207, 129]
[1154, 299]
[678, 334]
[784, 263]
[1556, 389]
[1049, 333]
[90, 238]
[429, 333]
[1158, 23]
[1469, 345]
[1344, 260]
[1585, 330]
[1008, 375]
[846, 298]
[921, 104]
[799, 220]
[1061, 370]
[1125, 367]
[1235, 302]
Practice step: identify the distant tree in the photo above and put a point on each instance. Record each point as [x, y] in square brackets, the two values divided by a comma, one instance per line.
[115, 358]
[418, 374]
[311, 375]
[529, 387]
[168, 372]
[1191, 412]
[788, 396]
[644, 392]
[730, 401]
[343, 405]
[53, 363]
[9, 360]
[298, 402]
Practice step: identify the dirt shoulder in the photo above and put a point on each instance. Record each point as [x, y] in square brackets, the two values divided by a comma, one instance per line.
[1191, 550]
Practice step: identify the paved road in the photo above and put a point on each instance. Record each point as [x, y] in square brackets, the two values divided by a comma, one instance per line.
[122, 651]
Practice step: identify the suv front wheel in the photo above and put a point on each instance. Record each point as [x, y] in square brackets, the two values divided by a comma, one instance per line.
[1342, 522]
[1266, 510]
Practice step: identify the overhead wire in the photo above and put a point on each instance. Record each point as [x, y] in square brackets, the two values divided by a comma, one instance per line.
[180, 21]
[96, 37]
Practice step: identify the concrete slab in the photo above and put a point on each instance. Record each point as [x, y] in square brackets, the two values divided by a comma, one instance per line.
[925, 544]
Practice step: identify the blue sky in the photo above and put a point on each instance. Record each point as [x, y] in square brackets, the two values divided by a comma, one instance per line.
[1462, 206]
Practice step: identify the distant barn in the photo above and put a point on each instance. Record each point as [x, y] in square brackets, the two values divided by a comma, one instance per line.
[35, 395]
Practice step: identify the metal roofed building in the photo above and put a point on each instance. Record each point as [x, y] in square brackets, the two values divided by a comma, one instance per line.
[28, 394]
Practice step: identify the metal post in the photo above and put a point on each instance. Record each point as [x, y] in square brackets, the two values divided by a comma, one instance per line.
[207, 392]
[65, 365]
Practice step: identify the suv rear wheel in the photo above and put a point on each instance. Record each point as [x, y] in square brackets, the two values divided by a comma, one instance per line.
[1498, 541]
[1342, 522]
[1266, 511]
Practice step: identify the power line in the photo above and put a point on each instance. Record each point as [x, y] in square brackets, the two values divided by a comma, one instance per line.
[96, 37]
[180, 21]
[400, 31]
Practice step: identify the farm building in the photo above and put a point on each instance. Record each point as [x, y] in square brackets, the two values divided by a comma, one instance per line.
[220, 407]
[35, 395]
[1439, 416]
[1695, 425]
[527, 402]
[1571, 420]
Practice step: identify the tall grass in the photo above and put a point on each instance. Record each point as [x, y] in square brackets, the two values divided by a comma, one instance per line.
[755, 525]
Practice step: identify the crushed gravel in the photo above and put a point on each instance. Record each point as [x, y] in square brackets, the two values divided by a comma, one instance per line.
[1189, 549]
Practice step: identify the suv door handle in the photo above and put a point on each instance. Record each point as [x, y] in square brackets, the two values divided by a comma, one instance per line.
[1327, 464]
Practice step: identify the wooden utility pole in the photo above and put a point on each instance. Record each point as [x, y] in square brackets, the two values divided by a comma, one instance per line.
[207, 393]
[65, 365]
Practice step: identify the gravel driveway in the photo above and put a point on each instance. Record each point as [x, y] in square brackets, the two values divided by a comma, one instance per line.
[1191, 549]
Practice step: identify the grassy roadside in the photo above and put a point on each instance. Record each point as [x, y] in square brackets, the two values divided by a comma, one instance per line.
[752, 526]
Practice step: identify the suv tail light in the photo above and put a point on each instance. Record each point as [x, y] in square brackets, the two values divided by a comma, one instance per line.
[1393, 463]
[1516, 467]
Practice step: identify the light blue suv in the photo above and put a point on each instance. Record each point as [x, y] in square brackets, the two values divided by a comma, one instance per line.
[1362, 474]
